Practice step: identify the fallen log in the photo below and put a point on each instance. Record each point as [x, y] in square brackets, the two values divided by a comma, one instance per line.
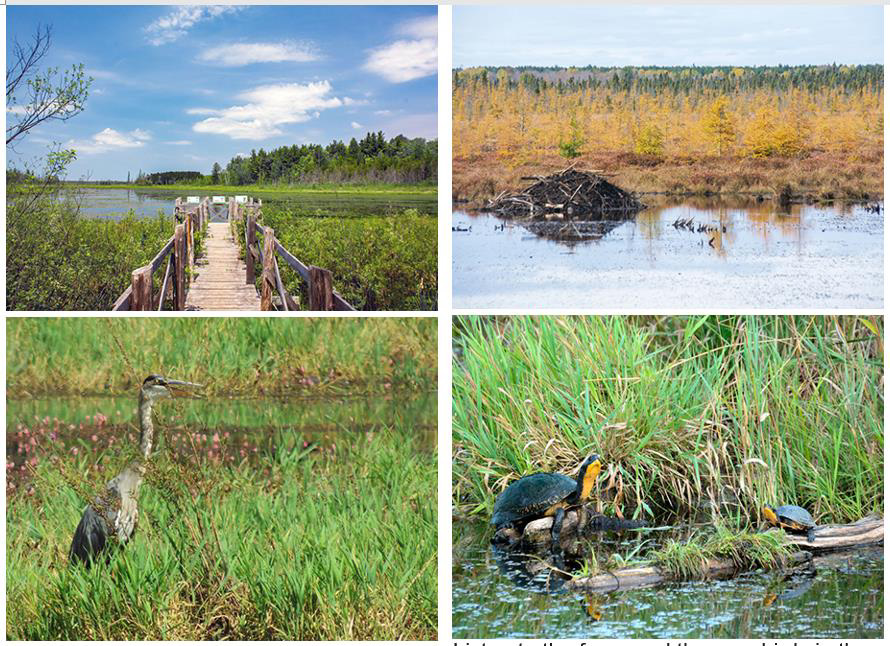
[639, 577]
[537, 532]
[866, 531]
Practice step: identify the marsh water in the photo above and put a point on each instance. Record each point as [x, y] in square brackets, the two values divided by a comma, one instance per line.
[498, 595]
[688, 252]
[114, 203]
[218, 430]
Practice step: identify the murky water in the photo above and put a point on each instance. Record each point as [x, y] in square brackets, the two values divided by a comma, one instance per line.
[494, 596]
[226, 431]
[113, 203]
[692, 253]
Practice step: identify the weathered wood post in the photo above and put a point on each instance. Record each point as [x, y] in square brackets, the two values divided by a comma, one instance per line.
[190, 237]
[248, 253]
[179, 262]
[268, 270]
[140, 299]
[321, 289]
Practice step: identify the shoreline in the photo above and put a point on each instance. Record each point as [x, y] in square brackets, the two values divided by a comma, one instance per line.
[815, 178]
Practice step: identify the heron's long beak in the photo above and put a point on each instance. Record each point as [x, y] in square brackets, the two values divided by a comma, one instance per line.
[175, 383]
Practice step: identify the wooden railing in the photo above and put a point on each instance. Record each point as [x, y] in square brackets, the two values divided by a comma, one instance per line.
[179, 251]
[322, 296]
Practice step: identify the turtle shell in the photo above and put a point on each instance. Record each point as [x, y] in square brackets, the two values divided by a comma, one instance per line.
[530, 496]
[795, 517]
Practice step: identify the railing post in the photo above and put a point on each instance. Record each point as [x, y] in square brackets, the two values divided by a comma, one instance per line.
[179, 286]
[140, 299]
[321, 289]
[190, 237]
[268, 269]
[248, 253]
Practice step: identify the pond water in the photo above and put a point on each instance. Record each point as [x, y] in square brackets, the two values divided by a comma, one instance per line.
[218, 430]
[842, 597]
[689, 253]
[113, 203]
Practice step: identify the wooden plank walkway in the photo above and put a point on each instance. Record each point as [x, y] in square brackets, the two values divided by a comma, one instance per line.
[220, 284]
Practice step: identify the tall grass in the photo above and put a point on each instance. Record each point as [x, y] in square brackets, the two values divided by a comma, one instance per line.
[230, 356]
[377, 262]
[321, 546]
[714, 415]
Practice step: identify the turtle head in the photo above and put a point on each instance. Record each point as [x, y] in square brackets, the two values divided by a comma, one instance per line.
[587, 475]
[770, 514]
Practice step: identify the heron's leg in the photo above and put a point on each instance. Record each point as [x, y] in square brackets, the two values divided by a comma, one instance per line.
[557, 526]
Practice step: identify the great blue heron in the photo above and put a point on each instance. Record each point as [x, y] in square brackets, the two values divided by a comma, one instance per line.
[113, 513]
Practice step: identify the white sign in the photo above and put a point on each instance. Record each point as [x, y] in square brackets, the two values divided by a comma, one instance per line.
[219, 199]
[241, 199]
[193, 199]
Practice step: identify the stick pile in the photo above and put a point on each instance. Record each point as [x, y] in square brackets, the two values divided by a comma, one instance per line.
[569, 192]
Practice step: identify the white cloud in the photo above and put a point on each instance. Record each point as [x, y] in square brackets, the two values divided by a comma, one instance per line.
[268, 107]
[406, 60]
[177, 23]
[110, 139]
[356, 125]
[425, 27]
[179, 142]
[239, 54]
[383, 113]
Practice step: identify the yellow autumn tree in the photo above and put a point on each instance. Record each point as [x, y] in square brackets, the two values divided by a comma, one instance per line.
[649, 140]
[719, 126]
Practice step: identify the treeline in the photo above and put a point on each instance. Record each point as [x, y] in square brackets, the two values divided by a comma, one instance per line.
[373, 159]
[370, 160]
[723, 79]
[169, 177]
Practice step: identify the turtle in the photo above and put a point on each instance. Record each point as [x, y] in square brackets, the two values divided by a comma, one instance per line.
[545, 494]
[792, 518]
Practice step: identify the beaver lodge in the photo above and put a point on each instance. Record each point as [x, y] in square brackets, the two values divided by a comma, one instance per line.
[569, 193]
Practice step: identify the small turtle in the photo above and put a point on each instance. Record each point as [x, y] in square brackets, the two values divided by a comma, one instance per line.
[792, 518]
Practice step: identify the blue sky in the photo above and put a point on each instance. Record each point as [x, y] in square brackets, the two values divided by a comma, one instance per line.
[178, 88]
[667, 35]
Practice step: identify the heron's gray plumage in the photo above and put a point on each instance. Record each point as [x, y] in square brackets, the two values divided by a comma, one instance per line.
[113, 514]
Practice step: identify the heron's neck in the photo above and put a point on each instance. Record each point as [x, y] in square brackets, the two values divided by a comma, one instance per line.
[146, 428]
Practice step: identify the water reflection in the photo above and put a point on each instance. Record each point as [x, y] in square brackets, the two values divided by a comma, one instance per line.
[710, 251]
[497, 596]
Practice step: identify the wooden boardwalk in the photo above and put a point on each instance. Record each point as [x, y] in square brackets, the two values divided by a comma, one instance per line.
[220, 284]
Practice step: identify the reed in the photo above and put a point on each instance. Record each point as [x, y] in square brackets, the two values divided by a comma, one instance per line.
[230, 356]
[310, 545]
[711, 416]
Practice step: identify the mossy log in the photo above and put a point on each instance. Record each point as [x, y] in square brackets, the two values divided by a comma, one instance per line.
[864, 532]
[640, 577]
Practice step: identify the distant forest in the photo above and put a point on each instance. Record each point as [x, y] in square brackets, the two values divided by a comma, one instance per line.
[370, 160]
[723, 79]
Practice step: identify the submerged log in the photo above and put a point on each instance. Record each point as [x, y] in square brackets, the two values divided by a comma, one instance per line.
[639, 577]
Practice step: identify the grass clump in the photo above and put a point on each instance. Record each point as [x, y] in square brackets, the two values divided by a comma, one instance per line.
[310, 545]
[747, 550]
[377, 262]
[230, 356]
[715, 415]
